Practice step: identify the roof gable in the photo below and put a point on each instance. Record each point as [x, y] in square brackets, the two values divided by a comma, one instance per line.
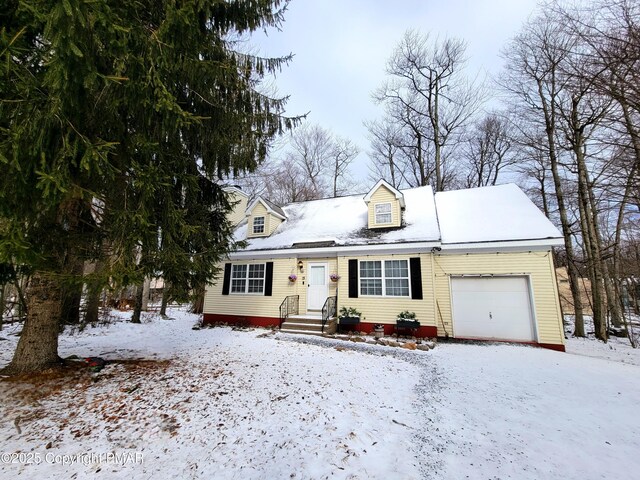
[271, 207]
[383, 183]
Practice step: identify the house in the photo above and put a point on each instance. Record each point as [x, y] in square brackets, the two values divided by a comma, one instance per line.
[473, 264]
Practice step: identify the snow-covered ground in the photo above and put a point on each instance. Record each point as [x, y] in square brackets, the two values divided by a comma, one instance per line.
[223, 404]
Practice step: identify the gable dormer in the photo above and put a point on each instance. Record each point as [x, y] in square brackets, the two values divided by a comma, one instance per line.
[263, 217]
[386, 204]
[239, 200]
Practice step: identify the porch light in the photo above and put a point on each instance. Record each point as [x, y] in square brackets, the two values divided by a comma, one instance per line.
[300, 265]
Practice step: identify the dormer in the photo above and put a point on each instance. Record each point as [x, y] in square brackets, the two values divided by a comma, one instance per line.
[239, 200]
[386, 204]
[263, 217]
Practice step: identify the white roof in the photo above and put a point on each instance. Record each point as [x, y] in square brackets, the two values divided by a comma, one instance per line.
[344, 220]
[491, 214]
[488, 214]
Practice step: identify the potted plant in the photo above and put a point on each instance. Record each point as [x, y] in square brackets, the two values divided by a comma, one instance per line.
[407, 319]
[349, 316]
[334, 277]
[293, 277]
[378, 330]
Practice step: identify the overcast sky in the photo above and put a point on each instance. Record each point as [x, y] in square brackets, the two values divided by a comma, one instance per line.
[341, 47]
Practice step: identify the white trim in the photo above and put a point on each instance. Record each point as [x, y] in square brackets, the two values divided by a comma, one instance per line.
[236, 190]
[375, 213]
[502, 245]
[246, 279]
[387, 248]
[384, 277]
[263, 225]
[398, 194]
[400, 248]
[250, 208]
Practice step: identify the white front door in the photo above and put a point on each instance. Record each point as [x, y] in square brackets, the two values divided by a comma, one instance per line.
[317, 286]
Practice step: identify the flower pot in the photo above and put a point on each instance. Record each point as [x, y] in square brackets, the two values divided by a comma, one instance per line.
[378, 332]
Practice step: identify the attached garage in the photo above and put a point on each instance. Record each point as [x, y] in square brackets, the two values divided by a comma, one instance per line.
[492, 308]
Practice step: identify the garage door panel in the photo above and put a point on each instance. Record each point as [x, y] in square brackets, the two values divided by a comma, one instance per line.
[490, 307]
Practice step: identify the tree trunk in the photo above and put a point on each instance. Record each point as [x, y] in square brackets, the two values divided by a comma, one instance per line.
[165, 300]
[2, 304]
[137, 306]
[198, 300]
[145, 294]
[38, 345]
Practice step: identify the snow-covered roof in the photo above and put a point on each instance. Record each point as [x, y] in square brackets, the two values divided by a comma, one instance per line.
[488, 214]
[491, 214]
[343, 220]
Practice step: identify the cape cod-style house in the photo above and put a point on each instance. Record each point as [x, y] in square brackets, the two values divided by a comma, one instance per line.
[473, 264]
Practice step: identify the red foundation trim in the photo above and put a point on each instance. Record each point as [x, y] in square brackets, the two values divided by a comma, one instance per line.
[214, 318]
[389, 329]
[550, 346]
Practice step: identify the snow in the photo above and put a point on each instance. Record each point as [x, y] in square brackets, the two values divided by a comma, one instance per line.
[344, 219]
[225, 404]
[496, 213]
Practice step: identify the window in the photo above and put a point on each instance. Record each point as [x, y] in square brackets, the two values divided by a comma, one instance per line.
[383, 213]
[247, 278]
[390, 281]
[258, 225]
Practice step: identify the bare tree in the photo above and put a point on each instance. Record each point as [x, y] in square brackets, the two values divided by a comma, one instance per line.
[488, 151]
[533, 80]
[343, 152]
[430, 96]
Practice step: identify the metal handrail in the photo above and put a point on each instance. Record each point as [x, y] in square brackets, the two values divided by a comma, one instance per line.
[329, 310]
[289, 306]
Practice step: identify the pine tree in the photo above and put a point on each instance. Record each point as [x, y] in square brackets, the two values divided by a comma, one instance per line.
[117, 118]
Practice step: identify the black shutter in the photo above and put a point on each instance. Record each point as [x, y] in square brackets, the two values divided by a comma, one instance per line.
[268, 279]
[227, 279]
[416, 278]
[353, 278]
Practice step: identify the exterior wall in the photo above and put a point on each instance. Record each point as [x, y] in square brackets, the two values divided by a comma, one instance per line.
[253, 305]
[384, 310]
[537, 265]
[384, 195]
[238, 213]
[270, 222]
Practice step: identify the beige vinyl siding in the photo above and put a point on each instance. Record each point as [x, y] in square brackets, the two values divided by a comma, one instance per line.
[270, 222]
[252, 304]
[260, 305]
[240, 206]
[385, 309]
[538, 266]
[384, 195]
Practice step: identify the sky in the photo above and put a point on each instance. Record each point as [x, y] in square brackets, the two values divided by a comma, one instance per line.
[341, 48]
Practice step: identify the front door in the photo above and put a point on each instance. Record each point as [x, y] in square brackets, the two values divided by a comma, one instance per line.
[317, 287]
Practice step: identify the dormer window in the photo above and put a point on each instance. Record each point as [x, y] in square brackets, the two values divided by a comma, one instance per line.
[258, 225]
[385, 205]
[383, 213]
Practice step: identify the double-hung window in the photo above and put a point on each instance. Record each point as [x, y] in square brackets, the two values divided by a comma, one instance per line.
[248, 278]
[389, 278]
[383, 213]
[258, 224]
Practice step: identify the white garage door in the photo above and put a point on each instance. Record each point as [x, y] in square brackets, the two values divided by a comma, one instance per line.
[492, 307]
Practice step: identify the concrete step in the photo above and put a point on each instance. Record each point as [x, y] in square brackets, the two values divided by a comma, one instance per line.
[301, 332]
[288, 325]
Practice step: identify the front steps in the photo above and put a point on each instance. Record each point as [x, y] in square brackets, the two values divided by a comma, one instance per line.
[309, 324]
